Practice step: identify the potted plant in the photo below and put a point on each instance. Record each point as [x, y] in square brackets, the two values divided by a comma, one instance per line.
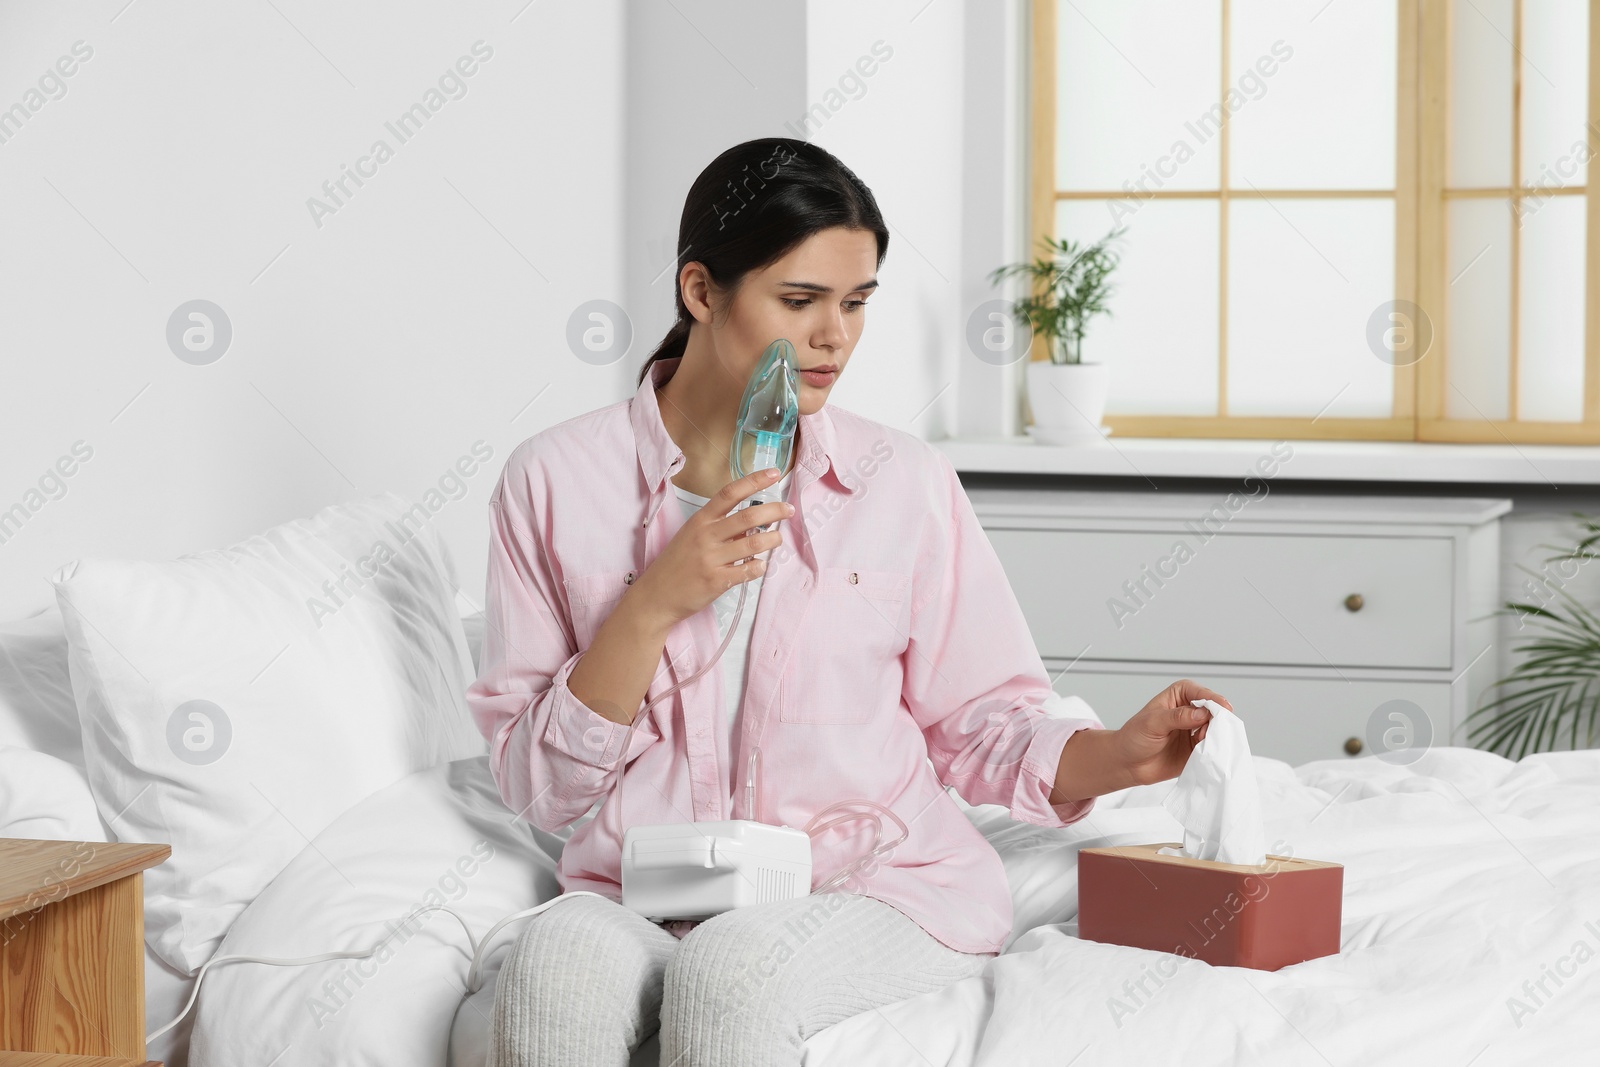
[1071, 284]
[1549, 699]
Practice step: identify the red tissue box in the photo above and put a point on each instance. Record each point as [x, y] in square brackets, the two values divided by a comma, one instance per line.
[1229, 915]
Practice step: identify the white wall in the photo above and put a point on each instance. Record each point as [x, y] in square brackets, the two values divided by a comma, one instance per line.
[373, 345]
[994, 205]
[901, 134]
[375, 349]
[703, 76]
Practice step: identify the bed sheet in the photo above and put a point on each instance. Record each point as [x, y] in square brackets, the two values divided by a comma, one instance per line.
[1471, 934]
[1471, 928]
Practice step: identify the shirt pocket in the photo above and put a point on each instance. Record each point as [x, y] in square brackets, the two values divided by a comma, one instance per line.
[590, 598]
[843, 668]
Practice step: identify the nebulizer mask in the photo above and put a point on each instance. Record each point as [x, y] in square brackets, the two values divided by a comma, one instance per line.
[763, 437]
[769, 414]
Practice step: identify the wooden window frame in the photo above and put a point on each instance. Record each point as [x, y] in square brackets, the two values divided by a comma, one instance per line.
[1420, 195]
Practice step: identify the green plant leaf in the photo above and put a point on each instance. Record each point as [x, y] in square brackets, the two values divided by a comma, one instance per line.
[1554, 691]
[1071, 286]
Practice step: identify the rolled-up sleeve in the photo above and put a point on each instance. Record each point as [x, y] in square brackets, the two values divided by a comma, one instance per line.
[550, 753]
[974, 680]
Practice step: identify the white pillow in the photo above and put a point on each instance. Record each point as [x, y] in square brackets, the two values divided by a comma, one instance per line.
[36, 707]
[45, 799]
[234, 702]
[474, 624]
[440, 836]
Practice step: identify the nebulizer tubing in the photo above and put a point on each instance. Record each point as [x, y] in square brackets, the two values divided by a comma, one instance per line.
[849, 871]
[768, 416]
[767, 420]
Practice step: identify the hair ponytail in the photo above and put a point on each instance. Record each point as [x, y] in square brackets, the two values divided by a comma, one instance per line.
[672, 346]
[751, 206]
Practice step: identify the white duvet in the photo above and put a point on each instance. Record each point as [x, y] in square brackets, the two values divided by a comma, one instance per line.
[1471, 934]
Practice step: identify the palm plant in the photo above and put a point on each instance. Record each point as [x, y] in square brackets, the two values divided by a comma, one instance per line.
[1555, 691]
[1070, 286]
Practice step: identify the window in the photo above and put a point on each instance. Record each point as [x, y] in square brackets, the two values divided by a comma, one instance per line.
[1344, 219]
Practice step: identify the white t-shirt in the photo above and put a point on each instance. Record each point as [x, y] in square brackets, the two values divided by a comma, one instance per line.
[735, 660]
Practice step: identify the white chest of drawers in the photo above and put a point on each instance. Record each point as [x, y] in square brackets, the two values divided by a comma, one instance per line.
[1312, 614]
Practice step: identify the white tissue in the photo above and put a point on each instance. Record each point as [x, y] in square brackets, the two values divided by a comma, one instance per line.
[1215, 798]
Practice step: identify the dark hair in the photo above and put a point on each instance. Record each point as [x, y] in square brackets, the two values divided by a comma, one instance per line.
[751, 206]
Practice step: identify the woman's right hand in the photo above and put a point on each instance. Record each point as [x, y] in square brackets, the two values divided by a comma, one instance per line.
[700, 563]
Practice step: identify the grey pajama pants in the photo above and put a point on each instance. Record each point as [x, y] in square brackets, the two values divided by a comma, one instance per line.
[588, 981]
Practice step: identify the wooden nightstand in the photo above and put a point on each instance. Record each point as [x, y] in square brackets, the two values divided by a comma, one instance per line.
[72, 952]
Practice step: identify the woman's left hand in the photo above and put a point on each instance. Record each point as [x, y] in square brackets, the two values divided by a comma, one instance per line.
[1151, 747]
[1155, 744]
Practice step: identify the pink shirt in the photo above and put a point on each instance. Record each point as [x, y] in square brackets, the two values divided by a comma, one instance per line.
[890, 658]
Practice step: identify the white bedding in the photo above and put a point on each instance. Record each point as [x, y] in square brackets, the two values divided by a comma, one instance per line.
[37, 710]
[1466, 876]
[439, 836]
[1471, 929]
[233, 702]
[43, 798]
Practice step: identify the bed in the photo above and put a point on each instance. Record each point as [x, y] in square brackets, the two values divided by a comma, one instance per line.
[1471, 924]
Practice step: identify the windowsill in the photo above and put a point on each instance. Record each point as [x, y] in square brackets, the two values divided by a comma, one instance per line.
[1360, 461]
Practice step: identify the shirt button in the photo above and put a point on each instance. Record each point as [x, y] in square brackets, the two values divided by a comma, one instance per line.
[629, 579]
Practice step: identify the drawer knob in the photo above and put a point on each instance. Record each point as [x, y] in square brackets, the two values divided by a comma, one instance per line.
[1352, 746]
[1353, 602]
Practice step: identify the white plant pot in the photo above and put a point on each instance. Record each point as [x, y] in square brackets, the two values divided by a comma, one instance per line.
[1068, 400]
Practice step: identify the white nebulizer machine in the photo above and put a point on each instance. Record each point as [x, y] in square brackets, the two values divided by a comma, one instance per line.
[699, 869]
[693, 870]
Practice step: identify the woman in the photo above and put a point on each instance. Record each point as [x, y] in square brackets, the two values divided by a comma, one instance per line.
[886, 657]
